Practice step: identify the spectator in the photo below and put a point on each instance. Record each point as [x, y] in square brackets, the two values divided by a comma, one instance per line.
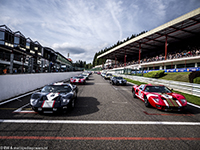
[5, 71]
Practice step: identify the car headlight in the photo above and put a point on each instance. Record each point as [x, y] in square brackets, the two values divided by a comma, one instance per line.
[33, 101]
[183, 100]
[156, 100]
[65, 99]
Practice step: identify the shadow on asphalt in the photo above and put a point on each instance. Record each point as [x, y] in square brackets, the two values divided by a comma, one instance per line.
[89, 83]
[192, 110]
[83, 106]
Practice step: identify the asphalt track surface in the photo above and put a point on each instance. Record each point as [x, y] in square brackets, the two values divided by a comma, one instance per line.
[104, 117]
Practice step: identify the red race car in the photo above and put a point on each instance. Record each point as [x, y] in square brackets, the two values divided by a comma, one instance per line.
[78, 80]
[159, 97]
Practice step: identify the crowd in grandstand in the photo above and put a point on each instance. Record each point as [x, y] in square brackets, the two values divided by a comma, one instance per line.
[171, 55]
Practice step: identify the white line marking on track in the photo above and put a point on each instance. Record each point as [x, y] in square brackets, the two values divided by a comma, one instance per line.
[193, 105]
[20, 109]
[124, 89]
[101, 83]
[120, 88]
[101, 122]
[26, 112]
[17, 98]
[115, 88]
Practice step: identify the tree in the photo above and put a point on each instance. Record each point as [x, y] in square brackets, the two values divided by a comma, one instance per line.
[101, 61]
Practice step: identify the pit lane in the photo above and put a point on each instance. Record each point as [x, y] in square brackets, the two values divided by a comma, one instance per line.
[104, 117]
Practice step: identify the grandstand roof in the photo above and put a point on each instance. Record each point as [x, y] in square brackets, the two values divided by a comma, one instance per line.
[177, 30]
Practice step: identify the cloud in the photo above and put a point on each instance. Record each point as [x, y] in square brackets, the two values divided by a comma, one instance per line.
[83, 28]
[115, 10]
[67, 48]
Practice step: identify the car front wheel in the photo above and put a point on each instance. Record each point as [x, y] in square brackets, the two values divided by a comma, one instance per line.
[134, 94]
[146, 101]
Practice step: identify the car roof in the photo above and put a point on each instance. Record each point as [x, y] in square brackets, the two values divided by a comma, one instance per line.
[59, 83]
[78, 76]
[153, 85]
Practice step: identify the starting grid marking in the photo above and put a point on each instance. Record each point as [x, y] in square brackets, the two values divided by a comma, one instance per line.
[120, 88]
[27, 112]
[20, 110]
[10, 100]
[100, 122]
[156, 114]
[30, 111]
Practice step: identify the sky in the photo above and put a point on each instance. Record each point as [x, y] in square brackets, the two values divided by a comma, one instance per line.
[85, 27]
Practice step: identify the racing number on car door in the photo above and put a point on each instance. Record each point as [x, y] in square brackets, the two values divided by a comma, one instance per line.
[140, 92]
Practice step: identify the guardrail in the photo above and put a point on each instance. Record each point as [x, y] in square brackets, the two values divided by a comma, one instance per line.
[190, 88]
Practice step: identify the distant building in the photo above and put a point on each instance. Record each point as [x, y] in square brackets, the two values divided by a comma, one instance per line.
[19, 54]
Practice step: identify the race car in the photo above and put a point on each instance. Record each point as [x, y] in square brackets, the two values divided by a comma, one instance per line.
[108, 76]
[98, 72]
[57, 97]
[160, 97]
[103, 74]
[85, 75]
[78, 80]
[118, 81]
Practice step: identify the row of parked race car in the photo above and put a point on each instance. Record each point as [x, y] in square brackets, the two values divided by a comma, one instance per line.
[81, 78]
[114, 80]
[61, 96]
[158, 96]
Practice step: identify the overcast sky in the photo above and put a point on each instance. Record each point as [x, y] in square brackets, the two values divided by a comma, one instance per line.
[84, 27]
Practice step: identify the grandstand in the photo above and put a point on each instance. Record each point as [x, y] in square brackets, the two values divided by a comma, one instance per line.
[173, 47]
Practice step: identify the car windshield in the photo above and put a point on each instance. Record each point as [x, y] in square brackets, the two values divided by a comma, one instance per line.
[120, 78]
[78, 77]
[157, 89]
[56, 89]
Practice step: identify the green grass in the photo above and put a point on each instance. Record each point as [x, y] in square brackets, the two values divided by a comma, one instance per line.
[177, 76]
[138, 74]
[135, 82]
[190, 98]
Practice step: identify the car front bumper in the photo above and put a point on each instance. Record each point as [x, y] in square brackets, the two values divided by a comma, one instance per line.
[50, 110]
[166, 108]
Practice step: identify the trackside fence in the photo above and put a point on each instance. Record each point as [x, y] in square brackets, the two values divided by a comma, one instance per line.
[190, 88]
